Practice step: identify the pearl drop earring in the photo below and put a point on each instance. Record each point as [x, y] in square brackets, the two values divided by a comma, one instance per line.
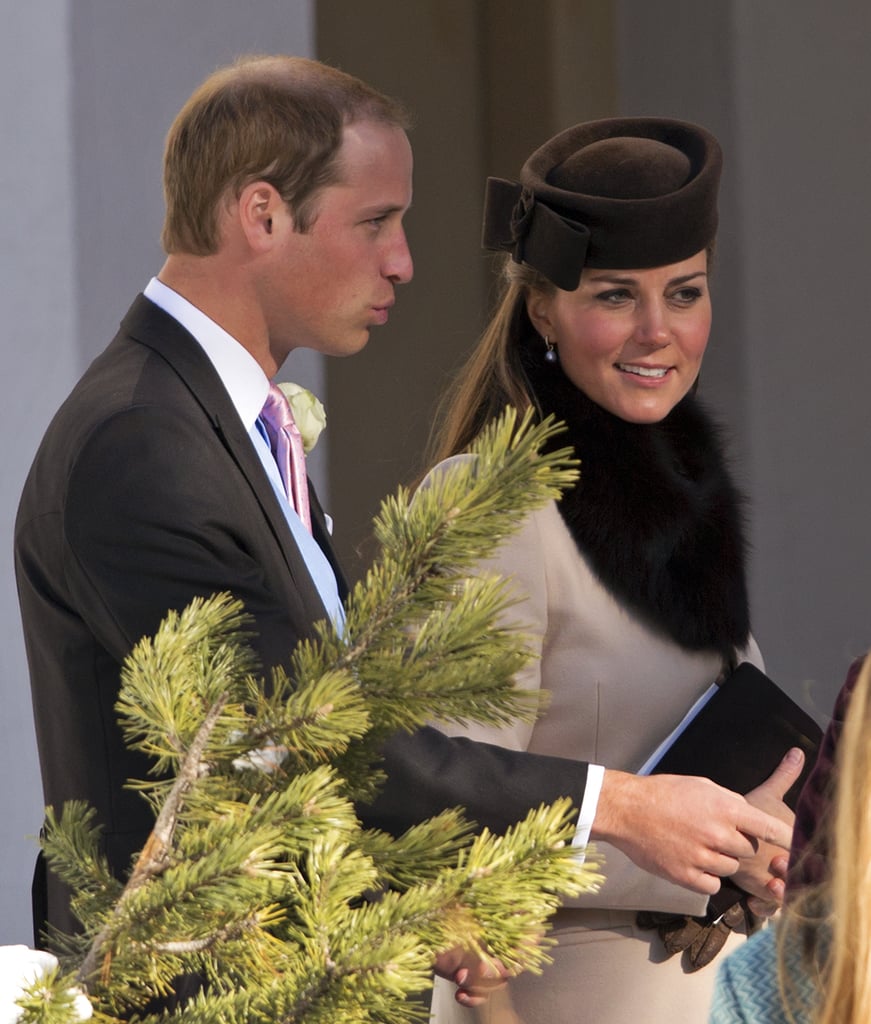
[550, 355]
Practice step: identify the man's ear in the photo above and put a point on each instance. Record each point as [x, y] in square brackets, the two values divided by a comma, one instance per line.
[261, 211]
[538, 310]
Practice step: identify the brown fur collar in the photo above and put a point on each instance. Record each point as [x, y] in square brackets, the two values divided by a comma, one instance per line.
[655, 513]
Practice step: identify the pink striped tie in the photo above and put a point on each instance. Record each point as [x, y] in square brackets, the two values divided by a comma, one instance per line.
[288, 451]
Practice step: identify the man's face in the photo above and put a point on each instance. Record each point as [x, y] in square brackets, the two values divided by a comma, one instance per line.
[326, 288]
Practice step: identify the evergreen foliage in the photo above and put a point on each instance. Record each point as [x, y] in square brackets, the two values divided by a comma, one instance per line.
[258, 877]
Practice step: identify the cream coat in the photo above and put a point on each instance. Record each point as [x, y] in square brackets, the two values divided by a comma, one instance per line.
[616, 689]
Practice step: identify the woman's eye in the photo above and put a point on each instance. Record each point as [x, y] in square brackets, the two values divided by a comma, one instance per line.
[613, 296]
[687, 296]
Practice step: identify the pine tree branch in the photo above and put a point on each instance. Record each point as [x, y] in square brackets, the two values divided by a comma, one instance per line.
[152, 858]
[258, 875]
[208, 942]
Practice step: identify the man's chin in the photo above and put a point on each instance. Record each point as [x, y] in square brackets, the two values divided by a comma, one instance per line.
[354, 345]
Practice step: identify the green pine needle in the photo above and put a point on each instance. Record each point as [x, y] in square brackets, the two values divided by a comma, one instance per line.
[258, 877]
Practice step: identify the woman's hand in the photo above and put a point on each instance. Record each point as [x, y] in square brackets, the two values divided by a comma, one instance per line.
[474, 977]
[763, 875]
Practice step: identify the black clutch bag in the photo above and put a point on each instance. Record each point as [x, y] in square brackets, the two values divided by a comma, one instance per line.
[738, 737]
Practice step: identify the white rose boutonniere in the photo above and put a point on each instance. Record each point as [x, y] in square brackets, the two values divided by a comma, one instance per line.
[27, 978]
[308, 412]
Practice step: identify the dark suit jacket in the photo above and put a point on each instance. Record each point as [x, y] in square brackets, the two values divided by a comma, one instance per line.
[147, 492]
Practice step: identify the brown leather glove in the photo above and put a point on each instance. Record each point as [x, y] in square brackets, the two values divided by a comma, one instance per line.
[700, 939]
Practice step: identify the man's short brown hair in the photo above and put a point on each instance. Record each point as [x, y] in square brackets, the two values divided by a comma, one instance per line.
[275, 119]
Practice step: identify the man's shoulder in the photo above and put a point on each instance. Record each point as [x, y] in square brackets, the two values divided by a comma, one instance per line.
[152, 369]
[152, 358]
[125, 373]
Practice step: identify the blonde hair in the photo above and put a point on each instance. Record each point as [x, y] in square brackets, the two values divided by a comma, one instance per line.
[276, 119]
[833, 919]
[847, 998]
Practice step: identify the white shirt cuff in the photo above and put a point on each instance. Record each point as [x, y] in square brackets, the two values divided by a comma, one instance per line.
[595, 775]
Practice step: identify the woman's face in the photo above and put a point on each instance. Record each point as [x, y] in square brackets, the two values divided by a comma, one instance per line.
[631, 340]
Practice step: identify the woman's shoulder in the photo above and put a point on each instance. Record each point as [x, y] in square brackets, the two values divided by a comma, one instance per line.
[455, 462]
[440, 468]
[534, 532]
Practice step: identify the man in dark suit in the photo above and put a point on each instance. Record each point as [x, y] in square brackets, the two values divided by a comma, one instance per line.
[286, 183]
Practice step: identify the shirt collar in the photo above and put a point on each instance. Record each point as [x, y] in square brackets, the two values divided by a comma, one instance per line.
[240, 373]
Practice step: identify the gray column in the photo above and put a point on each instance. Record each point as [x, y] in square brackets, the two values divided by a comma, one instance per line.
[88, 89]
[37, 295]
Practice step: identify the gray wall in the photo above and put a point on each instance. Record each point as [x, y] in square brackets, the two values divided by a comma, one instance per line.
[802, 91]
[88, 87]
[87, 91]
[37, 285]
[785, 85]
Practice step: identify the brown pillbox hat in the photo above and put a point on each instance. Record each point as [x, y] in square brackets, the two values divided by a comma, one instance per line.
[622, 193]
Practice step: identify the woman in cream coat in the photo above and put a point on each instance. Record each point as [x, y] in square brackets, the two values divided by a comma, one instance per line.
[633, 584]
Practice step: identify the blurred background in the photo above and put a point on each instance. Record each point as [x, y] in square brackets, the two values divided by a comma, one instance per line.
[88, 89]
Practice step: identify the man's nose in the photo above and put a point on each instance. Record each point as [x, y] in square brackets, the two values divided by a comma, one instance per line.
[399, 266]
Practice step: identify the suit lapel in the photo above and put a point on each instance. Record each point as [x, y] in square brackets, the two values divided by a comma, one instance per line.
[149, 325]
[322, 536]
